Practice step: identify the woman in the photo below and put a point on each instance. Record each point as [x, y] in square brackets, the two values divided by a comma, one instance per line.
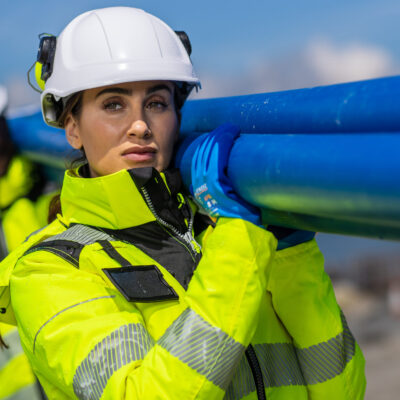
[132, 294]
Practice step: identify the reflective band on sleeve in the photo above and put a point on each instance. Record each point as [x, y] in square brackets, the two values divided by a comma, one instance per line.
[279, 364]
[126, 344]
[328, 359]
[242, 382]
[203, 347]
[282, 364]
[279, 367]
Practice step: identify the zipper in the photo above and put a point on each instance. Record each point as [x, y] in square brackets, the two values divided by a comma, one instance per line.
[186, 237]
[257, 373]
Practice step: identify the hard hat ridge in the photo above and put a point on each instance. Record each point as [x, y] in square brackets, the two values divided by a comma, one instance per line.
[109, 46]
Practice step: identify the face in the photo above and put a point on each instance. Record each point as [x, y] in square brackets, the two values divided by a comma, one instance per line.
[124, 126]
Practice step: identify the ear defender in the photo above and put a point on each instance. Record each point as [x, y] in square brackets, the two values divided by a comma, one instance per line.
[38, 75]
[185, 41]
[45, 56]
[184, 88]
[44, 60]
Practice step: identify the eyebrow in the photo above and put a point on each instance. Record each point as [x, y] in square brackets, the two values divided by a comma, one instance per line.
[161, 86]
[118, 90]
[128, 92]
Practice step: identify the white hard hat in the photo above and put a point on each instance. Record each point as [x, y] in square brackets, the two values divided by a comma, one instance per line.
[108, 46]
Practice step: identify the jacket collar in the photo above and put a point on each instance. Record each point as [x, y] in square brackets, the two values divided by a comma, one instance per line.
[116, 201]
[111, 201]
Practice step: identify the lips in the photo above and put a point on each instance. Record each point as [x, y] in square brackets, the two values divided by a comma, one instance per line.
[140, 153]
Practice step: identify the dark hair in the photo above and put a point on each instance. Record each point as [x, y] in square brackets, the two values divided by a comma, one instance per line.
[72, 106]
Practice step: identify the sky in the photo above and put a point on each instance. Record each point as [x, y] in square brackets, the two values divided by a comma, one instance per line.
[239, 47]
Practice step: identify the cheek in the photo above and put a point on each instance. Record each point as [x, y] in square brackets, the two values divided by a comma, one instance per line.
[97, 137]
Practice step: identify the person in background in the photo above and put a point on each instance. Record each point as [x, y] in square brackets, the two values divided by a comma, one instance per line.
[24, 190]
[132, 292]
[23, 209]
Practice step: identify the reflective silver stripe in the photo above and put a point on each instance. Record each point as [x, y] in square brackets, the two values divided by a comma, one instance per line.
[203, 347]
[242, 382]
[126, 344]
[282, 364]
[328, 359]
[81, 234]
[279, 364]
[13, 342]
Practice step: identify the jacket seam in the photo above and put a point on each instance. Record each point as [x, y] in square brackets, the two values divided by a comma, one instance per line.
[63, 310]
[65, 256]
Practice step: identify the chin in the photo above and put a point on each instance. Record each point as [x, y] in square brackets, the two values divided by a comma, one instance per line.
[143, 164]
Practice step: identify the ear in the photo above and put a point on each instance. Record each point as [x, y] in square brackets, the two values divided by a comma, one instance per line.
[72, 132]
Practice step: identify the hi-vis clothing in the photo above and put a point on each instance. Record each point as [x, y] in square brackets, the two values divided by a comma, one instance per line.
[17, 381]
[22, 211]
[19, 216]
[117, 300]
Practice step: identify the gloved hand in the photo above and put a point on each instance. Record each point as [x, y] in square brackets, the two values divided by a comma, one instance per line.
[210, 184]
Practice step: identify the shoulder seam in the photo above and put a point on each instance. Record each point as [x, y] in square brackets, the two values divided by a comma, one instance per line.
[59, 248]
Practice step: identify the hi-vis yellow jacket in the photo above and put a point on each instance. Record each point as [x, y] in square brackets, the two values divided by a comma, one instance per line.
[116, 300]
[19, 216]
[16, 377]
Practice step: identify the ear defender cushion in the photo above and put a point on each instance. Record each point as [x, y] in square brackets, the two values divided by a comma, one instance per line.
[38, 75]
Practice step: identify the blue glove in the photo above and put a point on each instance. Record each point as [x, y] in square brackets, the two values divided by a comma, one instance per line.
[207, 157]
[210, 185]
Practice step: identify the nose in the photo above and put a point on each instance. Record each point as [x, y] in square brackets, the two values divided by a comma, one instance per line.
[140, 129]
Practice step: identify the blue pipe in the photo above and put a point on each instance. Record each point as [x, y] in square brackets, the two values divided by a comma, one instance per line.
[37, 140]
[324, 159]
[353, 179]
[365, 106]
[339, 183]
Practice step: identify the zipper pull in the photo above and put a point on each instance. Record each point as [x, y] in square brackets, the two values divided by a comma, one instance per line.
[193, 244]
[196, 246]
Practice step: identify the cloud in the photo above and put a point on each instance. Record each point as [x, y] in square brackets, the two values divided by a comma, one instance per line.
[319, 63]
[333, 64]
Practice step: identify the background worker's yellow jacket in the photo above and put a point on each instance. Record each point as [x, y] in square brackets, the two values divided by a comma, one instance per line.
[19, 216]
[114, 300]
[16, 377]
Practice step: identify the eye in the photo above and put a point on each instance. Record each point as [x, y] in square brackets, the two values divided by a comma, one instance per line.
[157, 105]
[113, 105]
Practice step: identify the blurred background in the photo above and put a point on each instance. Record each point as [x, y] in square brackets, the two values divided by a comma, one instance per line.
[262, 46]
